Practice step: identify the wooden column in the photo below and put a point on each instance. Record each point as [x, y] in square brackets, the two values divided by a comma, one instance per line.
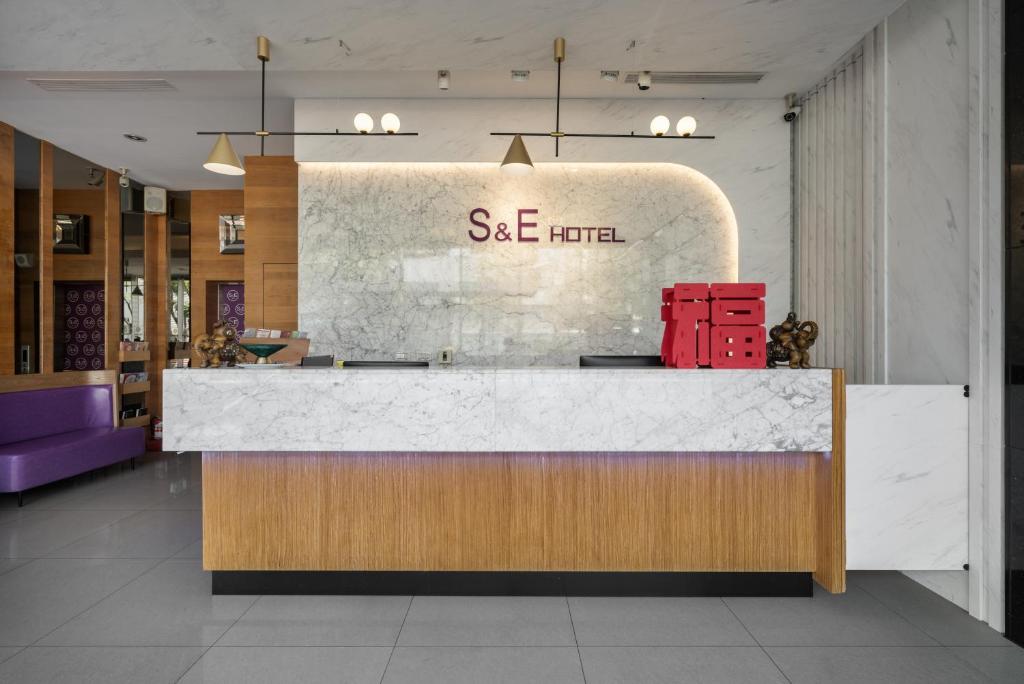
[7, 326]
[830, 495]
[46, 311]
[271, 242]
[157, 332]
[113, 303]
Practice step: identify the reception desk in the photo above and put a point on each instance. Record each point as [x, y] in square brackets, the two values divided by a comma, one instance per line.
[624, 481]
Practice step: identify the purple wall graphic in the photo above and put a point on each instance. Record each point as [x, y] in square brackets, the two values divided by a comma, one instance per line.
[231, 304]
[83, 326]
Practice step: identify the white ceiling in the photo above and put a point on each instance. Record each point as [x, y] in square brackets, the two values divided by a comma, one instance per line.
[392, 48]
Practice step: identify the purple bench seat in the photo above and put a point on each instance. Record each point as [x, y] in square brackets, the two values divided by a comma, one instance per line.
[50, 434]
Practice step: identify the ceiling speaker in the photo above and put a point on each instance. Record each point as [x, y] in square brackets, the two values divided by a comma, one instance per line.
[154, 200]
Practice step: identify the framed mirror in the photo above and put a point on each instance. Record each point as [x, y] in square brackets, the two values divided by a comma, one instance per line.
[70, 234]
[232, 234]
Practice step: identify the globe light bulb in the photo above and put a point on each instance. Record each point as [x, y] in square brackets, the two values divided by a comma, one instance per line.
[363, 122]
[686, 126]
[390, 123]
[660, 125]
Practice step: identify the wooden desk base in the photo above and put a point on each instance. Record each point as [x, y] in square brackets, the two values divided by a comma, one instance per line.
[525, 512]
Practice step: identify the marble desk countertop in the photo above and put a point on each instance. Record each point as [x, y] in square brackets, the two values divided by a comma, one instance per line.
[497, 409]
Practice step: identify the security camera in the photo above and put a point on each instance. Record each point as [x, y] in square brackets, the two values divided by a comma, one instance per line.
[643, 81]
[124, 181]
[792, 109]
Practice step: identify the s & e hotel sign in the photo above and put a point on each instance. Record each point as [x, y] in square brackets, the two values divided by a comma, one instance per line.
[525, 228]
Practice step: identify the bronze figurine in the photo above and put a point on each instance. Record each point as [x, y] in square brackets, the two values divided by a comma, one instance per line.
[791, 342]
[220, 346]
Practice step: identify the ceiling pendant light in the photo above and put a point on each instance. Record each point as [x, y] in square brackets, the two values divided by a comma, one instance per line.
[223, 159]
[363, 122]
[390, 123]
[517, 160]
[660, 125]
[686, 126]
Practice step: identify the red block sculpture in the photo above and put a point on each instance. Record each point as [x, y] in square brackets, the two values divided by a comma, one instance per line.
[719, 325]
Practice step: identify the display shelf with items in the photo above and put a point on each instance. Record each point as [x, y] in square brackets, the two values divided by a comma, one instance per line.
[133, 383]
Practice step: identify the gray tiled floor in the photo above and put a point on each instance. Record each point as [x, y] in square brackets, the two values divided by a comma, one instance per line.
[101, 581]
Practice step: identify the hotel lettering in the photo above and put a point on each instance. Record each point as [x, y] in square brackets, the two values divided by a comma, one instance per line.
[525, 227]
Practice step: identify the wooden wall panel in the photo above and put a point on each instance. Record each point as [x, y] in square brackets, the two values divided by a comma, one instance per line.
[280, 296]
[271, 237]
[7, 326]
[583, 512]
[91, 266]
[208, 264]
[155, 293]
[46, 310]
[112, 269]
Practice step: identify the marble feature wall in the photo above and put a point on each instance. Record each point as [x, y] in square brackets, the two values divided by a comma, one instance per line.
[387, 264]
[749, 159]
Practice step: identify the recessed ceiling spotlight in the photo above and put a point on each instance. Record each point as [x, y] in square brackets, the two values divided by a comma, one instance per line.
[610, 76]
[135, 138]
[519, 75]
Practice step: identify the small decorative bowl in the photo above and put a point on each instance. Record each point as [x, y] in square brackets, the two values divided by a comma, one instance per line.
[262, 352]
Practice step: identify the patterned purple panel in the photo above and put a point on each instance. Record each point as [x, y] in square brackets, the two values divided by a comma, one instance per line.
[231, 304]
[83, 327]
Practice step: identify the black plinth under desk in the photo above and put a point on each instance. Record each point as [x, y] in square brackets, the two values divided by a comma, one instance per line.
[296, 582]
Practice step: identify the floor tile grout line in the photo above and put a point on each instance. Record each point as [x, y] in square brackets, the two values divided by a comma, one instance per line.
[217, 640]
[96, 603]
[398, 636]
[98, 529]
[895, 612]
[756, 640]
[579, 654]
[969, 663]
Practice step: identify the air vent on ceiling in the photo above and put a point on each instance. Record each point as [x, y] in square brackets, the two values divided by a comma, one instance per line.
[102, 85]
[700, 77]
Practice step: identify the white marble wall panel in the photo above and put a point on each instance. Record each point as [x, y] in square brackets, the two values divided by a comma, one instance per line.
[906, 477]
[387, 264]
[749, 160]
[927, 191]
[544, 410]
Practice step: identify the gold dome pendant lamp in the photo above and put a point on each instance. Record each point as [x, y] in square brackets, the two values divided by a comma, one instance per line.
[223, 158]
[517, 159]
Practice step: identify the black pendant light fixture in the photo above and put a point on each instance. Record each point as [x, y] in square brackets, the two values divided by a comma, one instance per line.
[222, 157]
[520, 159]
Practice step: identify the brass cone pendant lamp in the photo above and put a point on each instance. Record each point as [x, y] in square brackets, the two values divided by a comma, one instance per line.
[223, 159]
[517, 160]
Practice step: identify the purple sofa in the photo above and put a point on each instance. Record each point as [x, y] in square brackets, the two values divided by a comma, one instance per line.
[49, 434]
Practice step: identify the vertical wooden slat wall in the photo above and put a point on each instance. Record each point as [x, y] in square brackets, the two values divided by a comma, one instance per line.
[7, 326]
